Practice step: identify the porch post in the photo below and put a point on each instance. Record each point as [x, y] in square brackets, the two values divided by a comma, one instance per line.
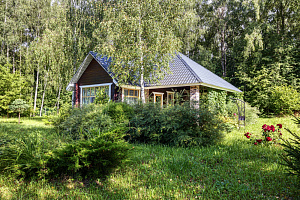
[77, 95]
[194, 96]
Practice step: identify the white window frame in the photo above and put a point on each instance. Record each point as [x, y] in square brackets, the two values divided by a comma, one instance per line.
[162, 97]
[95, 85]
[170, 92]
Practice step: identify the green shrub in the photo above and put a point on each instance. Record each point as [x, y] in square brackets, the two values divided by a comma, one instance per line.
[90, 158]
[85, 118]
[23, 156]
[64, 113]
[119, 112]
[178, 125]
[291, 157]
[284, 100]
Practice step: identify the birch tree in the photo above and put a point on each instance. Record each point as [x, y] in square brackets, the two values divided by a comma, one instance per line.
[139, 37]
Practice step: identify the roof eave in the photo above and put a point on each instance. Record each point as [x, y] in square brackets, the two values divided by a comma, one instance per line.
[220, 88]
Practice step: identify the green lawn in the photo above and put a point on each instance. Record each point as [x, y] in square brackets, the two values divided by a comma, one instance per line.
[234, 169]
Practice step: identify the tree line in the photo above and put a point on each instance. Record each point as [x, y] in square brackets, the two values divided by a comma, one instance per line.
[252, 44]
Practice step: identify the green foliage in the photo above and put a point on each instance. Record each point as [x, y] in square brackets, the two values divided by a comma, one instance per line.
[23, 155]
[80, 120]
[284, 100]
[11, 85]
[93, 157]
[178, 125]
[19, 105]
[101, 96]
[250, 112]
[291, 157]
[119, 112]
[216, 101]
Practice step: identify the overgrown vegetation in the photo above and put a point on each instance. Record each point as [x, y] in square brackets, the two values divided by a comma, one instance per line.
[291, 156]
[233, 169]
[27, 153]
[177, 125]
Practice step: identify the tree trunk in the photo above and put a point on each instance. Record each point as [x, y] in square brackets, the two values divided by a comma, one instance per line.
[36, 89]
[142, 66]
[45, 85]
[19, 117]
[58, 98]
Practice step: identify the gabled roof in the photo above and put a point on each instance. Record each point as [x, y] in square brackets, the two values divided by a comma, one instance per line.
[103, 61]
[184, 72]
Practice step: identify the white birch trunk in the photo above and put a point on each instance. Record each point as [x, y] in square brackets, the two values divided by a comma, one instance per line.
[45, 85]
[58, 98]
[36, 89]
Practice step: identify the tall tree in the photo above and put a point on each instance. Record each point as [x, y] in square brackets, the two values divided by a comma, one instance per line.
[139, 37]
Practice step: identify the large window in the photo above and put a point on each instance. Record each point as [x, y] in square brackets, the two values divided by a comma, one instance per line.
[131, 95]
[89, 92]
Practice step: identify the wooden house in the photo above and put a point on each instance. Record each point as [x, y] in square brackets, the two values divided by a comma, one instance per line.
[187, 77]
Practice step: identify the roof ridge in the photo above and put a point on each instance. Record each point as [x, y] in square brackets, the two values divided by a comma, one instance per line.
[189, 68]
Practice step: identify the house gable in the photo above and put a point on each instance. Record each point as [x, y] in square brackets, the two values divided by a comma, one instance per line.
[94, 74]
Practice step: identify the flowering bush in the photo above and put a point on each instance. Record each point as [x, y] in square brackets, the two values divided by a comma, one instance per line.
[270, 135]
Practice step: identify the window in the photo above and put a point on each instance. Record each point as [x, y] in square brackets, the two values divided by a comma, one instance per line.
[170, 98]
[89, 92]
[131, 95]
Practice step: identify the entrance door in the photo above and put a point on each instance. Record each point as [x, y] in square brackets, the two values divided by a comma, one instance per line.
[158, 98]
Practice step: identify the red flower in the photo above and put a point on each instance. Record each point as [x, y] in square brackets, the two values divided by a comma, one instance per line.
[272, 128]
[255, 143]
[280, 125]
[248, 136]
[268, 139]
[234, 114]
[259, 141]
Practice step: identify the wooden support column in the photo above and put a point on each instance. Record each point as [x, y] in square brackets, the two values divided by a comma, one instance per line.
[77, 95]
[194, 96]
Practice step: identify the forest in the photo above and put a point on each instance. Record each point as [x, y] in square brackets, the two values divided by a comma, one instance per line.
[253, 44]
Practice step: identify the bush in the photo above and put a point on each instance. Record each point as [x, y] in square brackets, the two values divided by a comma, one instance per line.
[23, 156]
[89, 158]
[178, 125]
[119, 112]
[284, 100]
[80, 120]
[291, 157]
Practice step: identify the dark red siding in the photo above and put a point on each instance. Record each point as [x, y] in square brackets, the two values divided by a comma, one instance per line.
[94, 74]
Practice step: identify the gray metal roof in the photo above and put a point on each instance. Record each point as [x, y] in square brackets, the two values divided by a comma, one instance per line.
[183, 71]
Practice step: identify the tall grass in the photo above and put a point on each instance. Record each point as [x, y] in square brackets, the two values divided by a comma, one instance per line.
[232, 169]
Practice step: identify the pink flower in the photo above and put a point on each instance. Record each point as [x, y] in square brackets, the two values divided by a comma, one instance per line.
[280, 125]
[234, 114]
[255, 143]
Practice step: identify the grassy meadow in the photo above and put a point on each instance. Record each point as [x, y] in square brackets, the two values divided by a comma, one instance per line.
[233, 169]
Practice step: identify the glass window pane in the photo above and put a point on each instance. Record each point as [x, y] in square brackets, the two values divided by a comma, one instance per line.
[92, 91]
[131, 92]
[126, 92]
[88, 92]
[136, 93]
